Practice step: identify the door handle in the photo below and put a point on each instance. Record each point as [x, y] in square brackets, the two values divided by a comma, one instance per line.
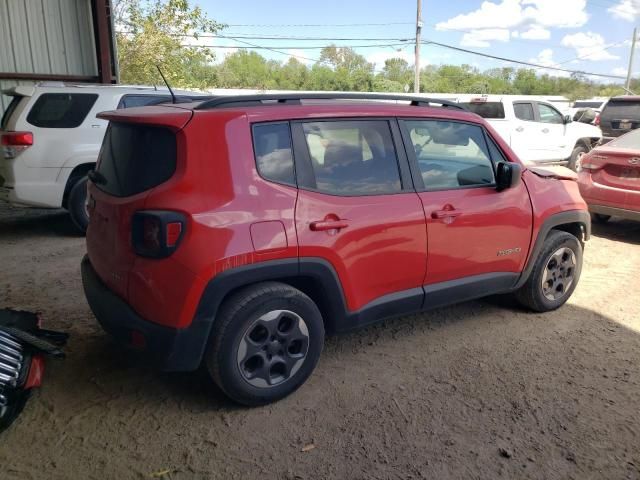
[447, 212]
[520, 129]
[545, 130]
[323, 225]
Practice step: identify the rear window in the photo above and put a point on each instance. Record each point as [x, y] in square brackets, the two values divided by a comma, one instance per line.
[630, 140]
[135, 158]
[624, 109]
[9, 111]
[486, 109]
[61, 110]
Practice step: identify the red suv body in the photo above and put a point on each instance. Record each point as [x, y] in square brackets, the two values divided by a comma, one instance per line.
[237, 231]
[609, 178]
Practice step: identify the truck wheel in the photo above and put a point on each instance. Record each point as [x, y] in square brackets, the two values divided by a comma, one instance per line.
[576, 156]
[266, 342]
[555, 273]
[77, 205]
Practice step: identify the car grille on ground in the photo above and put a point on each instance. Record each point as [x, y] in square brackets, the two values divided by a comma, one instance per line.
[11, 360]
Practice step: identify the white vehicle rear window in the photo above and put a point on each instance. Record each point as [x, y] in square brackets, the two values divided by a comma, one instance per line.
[61, 110]
[486, 109]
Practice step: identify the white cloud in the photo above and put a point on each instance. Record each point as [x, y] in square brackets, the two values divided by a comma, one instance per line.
[481, 38]
[378, 57]
[626, 10]
[545, 57]
[536, 32]
[588, 46]
[619, 71]
[516, 13]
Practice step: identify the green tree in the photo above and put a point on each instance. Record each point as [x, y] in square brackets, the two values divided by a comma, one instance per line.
[157, 32]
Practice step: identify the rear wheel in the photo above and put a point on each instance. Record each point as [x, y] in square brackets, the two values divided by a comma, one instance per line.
[599, 218]
[266, 342]
[77, 205]
[555, 273]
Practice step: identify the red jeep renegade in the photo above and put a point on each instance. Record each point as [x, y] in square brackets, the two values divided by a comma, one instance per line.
[237, 231]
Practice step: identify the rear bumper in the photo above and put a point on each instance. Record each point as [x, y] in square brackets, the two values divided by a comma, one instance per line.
[615, 212]
[172, 349]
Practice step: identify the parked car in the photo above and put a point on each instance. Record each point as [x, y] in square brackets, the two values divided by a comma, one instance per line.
[609, 178]
[535, 129]
[588, 111]
[620, 115]
[239, 231]
[50, 138]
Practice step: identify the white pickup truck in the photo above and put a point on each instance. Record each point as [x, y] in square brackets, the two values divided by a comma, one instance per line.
[534, 128]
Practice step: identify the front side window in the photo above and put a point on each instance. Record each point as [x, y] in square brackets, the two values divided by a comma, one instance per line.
[272, 146]
[450, 154]
[524, 111]
[353, 157]
[549, 114]
[61, 110]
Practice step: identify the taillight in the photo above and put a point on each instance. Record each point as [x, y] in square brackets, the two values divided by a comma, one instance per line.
[588, 164]
[596, 122]
[157, 233]
[13, 143]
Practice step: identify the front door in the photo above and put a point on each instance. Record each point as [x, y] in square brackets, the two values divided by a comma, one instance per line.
[357, 208]
[474, 231]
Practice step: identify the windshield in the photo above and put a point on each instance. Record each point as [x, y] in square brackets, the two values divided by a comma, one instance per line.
[622, 110]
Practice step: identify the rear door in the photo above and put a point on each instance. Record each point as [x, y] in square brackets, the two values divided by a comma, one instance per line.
[525, 134]
[134, 159]
[475, 233]
[357, 208]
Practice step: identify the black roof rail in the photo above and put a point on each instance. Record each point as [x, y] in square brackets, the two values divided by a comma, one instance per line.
[296, 99]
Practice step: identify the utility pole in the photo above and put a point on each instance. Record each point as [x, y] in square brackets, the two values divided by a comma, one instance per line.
[416, 83]
[633, 49]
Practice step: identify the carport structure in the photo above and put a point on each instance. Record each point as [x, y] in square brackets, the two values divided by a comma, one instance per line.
[56, 40]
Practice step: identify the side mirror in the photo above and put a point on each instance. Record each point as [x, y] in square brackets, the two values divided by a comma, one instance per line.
[508, 175]
[567, 119]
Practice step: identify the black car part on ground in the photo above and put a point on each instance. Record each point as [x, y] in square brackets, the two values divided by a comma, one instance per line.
[21, 342]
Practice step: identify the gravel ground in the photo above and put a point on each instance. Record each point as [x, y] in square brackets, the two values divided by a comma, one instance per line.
[481, 390]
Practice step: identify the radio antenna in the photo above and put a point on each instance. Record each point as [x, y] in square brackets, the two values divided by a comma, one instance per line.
[173, 96]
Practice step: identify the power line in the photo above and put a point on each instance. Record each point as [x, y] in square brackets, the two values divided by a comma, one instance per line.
[300, 47]
[318, 24]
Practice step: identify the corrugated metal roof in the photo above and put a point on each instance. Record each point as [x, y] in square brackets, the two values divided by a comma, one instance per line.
[46, 36]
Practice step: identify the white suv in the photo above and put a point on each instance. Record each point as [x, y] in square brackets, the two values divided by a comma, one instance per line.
[536, 130]
[50, 139]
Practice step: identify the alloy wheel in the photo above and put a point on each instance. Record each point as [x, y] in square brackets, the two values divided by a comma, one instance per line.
[559, 274]
[273, 348]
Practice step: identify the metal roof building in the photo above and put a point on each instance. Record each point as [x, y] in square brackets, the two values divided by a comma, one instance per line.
[66, 40]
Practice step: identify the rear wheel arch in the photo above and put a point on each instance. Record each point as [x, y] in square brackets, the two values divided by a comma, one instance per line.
[76, 175]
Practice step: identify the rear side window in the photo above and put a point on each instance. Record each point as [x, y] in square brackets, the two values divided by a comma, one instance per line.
[130, 101]
[450, 155]
[272, 147]
[135, 158]
[353, 157]
[9, 111]
[621, 110]
[61, 110]
[486, 109]
[524, 111]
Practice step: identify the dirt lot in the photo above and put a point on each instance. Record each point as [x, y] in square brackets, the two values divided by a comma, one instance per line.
[481, 390]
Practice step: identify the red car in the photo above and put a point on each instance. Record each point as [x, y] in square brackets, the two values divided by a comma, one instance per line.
[238, 231]
[609, 178]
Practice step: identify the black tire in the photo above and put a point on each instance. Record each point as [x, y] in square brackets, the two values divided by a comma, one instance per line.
[575, 155]
[532, 294]
[233, 337]
[76, 205]
[600, 218]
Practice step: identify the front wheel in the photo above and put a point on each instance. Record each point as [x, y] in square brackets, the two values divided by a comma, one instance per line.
[555, 273]
[266, 342]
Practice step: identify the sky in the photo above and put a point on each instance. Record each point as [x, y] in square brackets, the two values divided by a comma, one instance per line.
[585, 35]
